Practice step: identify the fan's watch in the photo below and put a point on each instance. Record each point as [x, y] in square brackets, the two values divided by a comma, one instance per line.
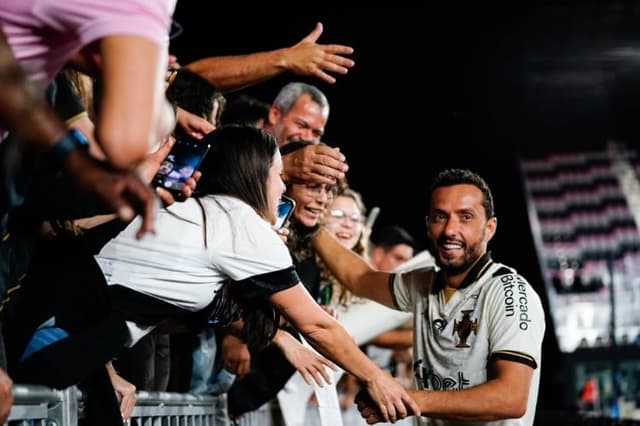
[72, 140]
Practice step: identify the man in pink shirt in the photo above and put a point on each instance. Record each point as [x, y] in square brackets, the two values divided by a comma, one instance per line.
[121, 43]
[124, 44]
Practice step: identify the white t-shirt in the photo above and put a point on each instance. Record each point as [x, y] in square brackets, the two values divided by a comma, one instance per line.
[496, 315]
[175, 266]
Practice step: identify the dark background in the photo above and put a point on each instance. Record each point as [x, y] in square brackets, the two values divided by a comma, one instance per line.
[464, 86]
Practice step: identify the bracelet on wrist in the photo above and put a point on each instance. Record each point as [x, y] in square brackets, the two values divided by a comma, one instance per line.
[71, 141]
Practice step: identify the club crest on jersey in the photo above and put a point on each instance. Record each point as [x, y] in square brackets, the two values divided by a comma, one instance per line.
[439, 324]
[464, 328]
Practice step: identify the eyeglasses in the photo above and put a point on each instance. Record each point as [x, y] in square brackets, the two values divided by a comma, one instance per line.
[341, 214]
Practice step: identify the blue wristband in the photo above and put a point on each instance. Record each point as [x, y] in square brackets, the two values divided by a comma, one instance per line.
[72, 140]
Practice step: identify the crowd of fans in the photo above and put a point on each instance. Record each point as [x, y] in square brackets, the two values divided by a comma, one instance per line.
[115, 283]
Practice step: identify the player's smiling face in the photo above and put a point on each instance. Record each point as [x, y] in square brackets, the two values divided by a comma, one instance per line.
[458, 227]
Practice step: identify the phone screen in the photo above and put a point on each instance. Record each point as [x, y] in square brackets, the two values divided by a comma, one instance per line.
[285, 209]
[183, 160]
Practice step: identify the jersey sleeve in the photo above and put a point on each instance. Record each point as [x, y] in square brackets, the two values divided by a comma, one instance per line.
[408, 287]
[516, 320]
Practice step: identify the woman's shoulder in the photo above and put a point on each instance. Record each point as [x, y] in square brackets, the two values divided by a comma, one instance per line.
[231, 212]
[225, 204]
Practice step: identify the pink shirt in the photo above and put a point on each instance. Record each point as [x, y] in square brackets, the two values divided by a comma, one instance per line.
[45, 34]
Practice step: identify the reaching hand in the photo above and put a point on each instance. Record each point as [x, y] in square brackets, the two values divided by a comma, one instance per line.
[190, 184]
[6, 396]
[320, 164]
[367, 407]
[310, 58]
[283, 233]
[122, 192]
[384, 399]
[194, 125]
[125, 390]
[235, 355]
[308, 363]
[148, 168]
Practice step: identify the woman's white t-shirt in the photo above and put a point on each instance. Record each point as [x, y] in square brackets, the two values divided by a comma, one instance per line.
[176, 266]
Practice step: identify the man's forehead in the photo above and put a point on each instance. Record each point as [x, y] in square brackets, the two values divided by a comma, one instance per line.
[305, 105]
[457, 196]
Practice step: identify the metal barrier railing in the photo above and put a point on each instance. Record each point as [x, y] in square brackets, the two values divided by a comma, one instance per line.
[42, 406]
[169, 409]
[267, 415]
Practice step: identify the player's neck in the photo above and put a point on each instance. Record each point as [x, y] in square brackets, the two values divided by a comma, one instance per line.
[452, 282]
[448, 292]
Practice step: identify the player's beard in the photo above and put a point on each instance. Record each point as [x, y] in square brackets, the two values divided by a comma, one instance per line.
[457, 265]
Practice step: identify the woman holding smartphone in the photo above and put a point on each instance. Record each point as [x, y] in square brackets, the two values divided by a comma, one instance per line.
[222, 235]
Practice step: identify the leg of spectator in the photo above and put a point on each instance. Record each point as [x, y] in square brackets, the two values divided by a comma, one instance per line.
[67, 361]
[101, 403]
[136, 364]
[162, 362]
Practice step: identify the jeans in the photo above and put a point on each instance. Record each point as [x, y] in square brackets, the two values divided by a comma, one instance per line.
[208, 376]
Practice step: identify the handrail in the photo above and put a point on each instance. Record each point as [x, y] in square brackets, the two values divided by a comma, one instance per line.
[44, 406]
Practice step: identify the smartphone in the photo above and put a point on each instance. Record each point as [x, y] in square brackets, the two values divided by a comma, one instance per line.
[183, 160]
[285, 209]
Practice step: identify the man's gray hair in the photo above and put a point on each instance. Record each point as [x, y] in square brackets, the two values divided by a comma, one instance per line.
[290, 93]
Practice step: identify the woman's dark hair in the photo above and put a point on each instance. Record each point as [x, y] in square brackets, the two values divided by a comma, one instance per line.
[245, 110]
[260, 322]
[193, 93]
[238, 165]
[234, 301]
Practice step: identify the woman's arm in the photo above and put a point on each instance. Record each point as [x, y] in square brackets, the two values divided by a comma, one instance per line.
[353, 271]
[310, 365]
[328, 337]
[125, 390]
